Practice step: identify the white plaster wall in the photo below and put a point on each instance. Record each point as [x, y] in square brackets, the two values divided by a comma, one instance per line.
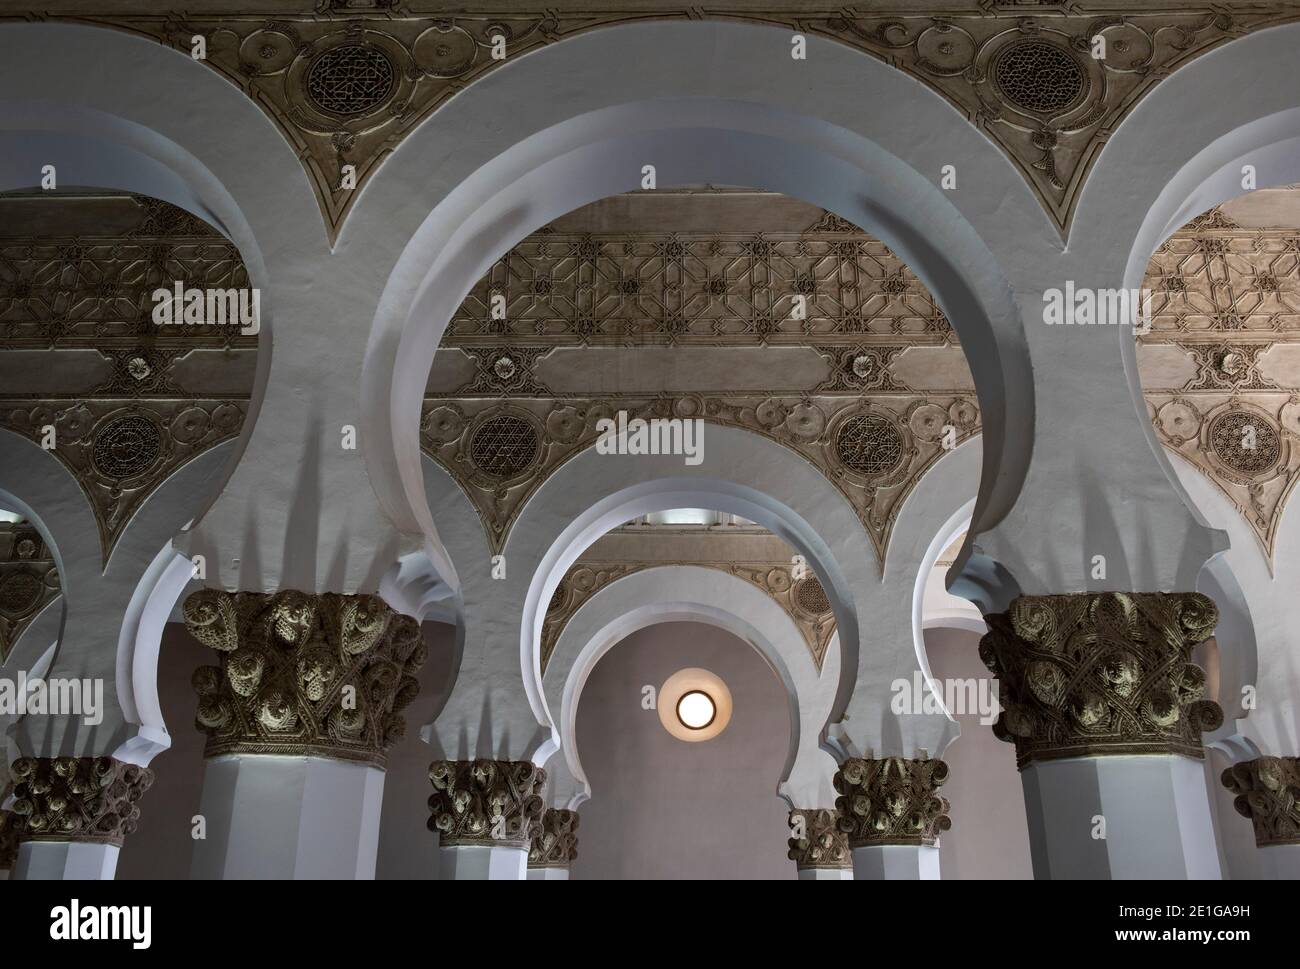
[989, 836]
[662, 808]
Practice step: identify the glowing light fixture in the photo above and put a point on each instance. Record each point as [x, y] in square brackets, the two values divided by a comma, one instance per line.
[696, 709]
[694, 705]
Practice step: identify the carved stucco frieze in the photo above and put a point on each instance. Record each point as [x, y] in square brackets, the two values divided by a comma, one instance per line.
[717, 288]
[873, 450]
[803, 598]
[77, 798]
[555, 842]
[1093, 674]
[1267, 792]
[496, 803]
[325, 675]
[65, 288]
[29, 580]
[892, 801]
[137, 414]
[816, 840]
[347, 83]
[121, 450]
[1227, 298]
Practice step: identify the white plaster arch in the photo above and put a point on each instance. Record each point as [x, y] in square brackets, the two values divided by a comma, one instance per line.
[934, 607]
[151, 120]
[742, 472]
[691, 593]
[890, 610]
[114, 110]
[1155, 172]
[112, 614]
[719, 101]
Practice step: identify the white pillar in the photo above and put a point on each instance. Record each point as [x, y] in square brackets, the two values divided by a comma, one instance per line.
[1154, 811]
[826, 874]
[288, 817]
[896, 863]
[1280, 862]
[464, 863]
[550, 874]
[65, 861]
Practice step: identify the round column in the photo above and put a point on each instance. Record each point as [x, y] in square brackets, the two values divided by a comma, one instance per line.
[298, 715]
[817, 846]
[892, 814]
[71, 816]
[1106, 711]
[554, 846]
[1266, 794]
[486, 814]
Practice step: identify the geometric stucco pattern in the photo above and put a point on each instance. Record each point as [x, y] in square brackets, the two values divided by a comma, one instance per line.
[121, 401]
[29, 579]
[804, 598]
[872, 449]
[1221, 372]
[346, 81]
[525, 385]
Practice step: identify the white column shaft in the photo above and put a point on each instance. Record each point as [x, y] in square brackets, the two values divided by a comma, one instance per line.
[1120, 817]
[482, 863]
[273, 816]
[896, 863]
[65, 861]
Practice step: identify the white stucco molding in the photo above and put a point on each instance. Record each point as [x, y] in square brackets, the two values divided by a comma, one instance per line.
[1099, 482]
[497, 707]
[676, 593]
[112, 618]
[112, 110]
[719, 102]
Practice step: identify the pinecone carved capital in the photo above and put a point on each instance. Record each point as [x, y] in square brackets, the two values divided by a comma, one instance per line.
[817, 841]
[303, 674]
[8, 839]
[555, 842]
[1101, 673]
[891, 802]
[1268, 792]
[77, 798]
[486, 802]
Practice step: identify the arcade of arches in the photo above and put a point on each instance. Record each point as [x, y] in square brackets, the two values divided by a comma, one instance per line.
[768, 444]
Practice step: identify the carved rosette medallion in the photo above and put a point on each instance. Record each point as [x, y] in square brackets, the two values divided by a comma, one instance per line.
[91, 799]
[8, 840]
[303, 674]
[496, 803]
[1092, 674]
[555, 842]
[1268, 792]
[893, 801]
[818, 841]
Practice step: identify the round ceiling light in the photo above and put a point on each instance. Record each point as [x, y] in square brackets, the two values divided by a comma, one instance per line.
[696, 709]
[694, 705]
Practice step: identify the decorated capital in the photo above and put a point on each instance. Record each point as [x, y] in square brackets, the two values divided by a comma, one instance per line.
[486, 802]
[94, 799]
[1268, 793]
[1096, 674]
[325, 675]
[893, 801]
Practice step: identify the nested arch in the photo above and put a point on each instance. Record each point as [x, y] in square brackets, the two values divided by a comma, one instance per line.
[1157, 172]
[154, 122]
[699, 594]
[557, 142]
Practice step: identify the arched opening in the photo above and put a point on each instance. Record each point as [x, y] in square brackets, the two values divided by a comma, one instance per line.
[664, 808]
[555, 164]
